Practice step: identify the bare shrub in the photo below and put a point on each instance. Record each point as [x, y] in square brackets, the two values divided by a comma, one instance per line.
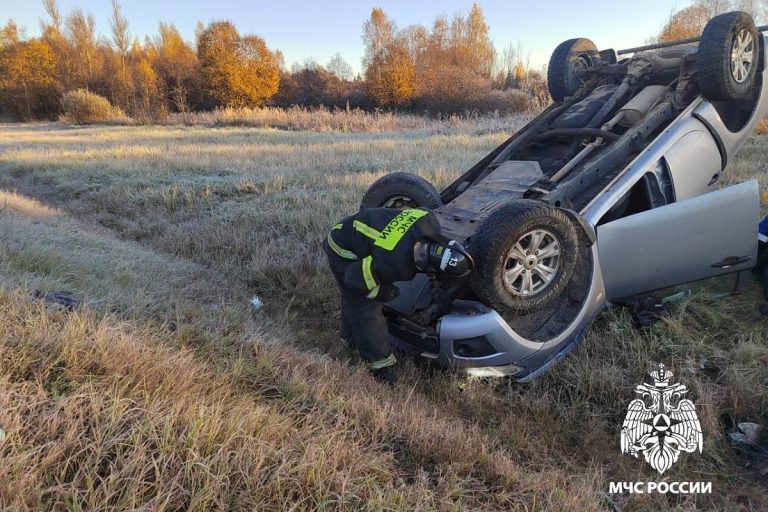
[84, 107]
[511, 101]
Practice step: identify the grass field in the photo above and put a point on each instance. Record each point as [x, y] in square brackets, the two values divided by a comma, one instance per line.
[168, 391]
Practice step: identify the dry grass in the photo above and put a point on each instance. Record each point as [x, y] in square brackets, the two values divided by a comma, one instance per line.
[101, 414]
[168, 393]
[340, 120]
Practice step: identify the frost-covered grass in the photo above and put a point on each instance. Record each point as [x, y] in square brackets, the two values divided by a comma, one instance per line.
[168, 392]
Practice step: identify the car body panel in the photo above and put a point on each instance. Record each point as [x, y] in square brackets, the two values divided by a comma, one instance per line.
[693, 162]
[680, 242]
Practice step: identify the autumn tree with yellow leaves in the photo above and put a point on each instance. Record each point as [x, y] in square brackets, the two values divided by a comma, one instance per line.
[177, 68]
[27, 70]
[685, 23]
[147, 81]
[449, 67]
[389, 70]
[439, 69]
[236, 71]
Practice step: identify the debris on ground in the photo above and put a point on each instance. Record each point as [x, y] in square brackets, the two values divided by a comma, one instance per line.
[256, 302]
[646, 310]
[65, 299]
[748, 440]
[746, 432]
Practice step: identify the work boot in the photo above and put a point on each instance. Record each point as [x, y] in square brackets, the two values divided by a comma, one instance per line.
[385, 375]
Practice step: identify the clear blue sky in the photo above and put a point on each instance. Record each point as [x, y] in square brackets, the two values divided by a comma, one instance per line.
[311, 28]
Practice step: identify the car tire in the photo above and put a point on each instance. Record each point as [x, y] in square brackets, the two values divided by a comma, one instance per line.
[505, 256]
[721, 78]
[401, 190]
[568, 60]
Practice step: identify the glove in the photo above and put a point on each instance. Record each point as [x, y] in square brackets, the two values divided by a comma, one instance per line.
[388, 292]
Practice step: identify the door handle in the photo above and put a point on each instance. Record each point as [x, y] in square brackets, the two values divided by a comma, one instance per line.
[731, 261]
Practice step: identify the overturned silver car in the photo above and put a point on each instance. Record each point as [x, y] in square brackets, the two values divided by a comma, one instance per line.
[610, 192]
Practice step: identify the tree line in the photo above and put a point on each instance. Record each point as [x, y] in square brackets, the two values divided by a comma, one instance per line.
[450, 68]
[147, 80]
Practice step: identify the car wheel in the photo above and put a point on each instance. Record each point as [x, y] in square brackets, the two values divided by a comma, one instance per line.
[401, 190]
[565, 73]
[524, 253]
[729, 57]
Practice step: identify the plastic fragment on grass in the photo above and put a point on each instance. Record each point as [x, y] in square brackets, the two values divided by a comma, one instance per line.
[64, 299]
[256, 302]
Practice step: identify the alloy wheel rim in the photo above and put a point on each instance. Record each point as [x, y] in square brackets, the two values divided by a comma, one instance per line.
[400, 202]
[742, 55]
[532, 263]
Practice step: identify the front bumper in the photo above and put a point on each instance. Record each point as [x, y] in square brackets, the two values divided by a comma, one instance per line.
[476, 339]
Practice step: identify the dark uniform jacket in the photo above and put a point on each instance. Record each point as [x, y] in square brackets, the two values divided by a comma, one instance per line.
[378, 245]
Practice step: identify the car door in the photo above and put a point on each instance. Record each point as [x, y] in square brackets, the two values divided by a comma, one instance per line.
[700, 237]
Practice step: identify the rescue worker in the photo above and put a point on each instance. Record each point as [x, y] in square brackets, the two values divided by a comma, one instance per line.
[373, 249]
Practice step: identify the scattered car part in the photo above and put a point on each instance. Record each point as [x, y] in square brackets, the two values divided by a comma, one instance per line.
[256, 302]
[65, 299]
[649, 309]
[749, 432]
[748, 439]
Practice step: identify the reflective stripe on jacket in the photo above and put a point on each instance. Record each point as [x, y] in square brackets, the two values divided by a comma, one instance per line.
[379, 242]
